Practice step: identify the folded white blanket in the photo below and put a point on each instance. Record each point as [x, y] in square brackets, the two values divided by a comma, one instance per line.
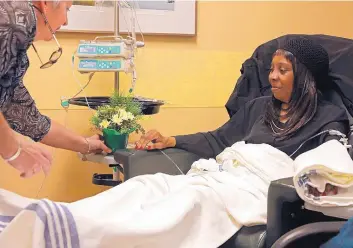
[324, 176]
[201, 209]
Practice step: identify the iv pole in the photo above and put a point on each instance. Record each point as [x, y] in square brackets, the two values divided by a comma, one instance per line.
[116, 33]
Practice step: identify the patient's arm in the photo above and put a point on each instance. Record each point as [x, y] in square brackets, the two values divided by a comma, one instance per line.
[210, 144]
[341, 126]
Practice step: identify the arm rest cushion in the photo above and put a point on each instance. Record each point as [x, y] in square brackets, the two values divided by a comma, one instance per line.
[285, 210]
[137, 162]
[282, 202]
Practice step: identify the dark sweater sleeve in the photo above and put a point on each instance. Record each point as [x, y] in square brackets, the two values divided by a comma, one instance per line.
[202, 144]
[210, 144]
[341, 126]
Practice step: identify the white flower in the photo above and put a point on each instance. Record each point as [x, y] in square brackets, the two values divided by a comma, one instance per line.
[104, 124]
[117, 119]
[123, 114]
[130, 116]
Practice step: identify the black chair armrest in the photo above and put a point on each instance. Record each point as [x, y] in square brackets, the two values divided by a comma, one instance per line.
[282, 202]
[137, 162]
[332, 227]
[247, 237]
[285, 211]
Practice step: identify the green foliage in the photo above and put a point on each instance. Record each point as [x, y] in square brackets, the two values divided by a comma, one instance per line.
[122, 114]
[127, 102]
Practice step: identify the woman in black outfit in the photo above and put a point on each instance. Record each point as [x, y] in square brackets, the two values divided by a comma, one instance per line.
[295, 113]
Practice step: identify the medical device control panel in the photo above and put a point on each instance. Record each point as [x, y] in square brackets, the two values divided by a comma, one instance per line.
[103, 49]
[101, 65]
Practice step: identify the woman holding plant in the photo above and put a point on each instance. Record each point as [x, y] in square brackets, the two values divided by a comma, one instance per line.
[22, 22]
[117, 120]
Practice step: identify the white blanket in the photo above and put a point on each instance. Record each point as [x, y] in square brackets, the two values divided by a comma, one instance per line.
[328, 164]
[201, 209]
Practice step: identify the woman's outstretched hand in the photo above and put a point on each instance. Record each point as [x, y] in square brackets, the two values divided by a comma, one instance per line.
[97, 145]
[32, 159]
[154, 140]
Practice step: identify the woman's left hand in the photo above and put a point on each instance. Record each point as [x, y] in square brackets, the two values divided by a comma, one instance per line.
[97, 145]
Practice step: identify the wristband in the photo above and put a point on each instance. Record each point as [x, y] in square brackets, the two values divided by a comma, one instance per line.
[89, 146]
[15, 155]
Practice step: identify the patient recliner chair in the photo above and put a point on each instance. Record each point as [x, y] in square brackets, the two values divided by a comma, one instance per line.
[286, 210]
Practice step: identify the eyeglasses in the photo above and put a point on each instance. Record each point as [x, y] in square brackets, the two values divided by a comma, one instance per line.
[56, 54]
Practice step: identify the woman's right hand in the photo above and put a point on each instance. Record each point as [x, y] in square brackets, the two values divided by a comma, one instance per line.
[154, 140]
[32, 159]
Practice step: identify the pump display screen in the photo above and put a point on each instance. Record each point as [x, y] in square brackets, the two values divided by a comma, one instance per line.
[96, 50]
[88, 49]
[99, 65]
[88, 64]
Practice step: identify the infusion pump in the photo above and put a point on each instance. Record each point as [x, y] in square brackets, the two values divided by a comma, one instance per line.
[113, 55]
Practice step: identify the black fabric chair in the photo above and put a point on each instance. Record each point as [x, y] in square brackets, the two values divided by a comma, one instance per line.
[285, 209]
[253, 81]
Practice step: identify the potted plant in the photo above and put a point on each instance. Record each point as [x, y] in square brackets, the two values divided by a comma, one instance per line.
[117, 120]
